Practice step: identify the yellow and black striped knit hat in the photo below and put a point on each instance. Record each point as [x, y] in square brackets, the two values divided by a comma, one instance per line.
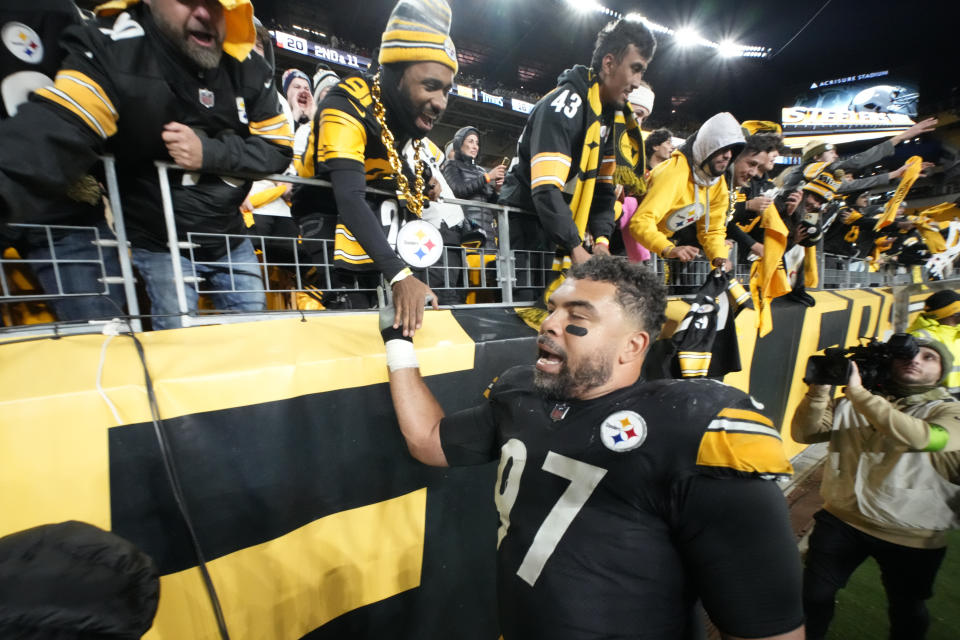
[753, 127]
[419, 31]
[942, 304]
[824, 185]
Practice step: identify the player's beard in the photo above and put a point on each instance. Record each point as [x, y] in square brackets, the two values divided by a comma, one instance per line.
[593, 372]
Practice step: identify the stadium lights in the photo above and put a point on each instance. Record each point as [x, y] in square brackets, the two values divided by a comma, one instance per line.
[583, 6]
[686, 36]
[728, 49]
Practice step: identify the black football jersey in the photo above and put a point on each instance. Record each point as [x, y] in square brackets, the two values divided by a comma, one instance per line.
[617, 513]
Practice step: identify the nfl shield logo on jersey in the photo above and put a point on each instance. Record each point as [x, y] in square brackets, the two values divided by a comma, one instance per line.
[623, 431]
[206, 98]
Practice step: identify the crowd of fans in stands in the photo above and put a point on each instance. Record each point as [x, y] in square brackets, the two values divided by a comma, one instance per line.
[823, 202]
[587, 183]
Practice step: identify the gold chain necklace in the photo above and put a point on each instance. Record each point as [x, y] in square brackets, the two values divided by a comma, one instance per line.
[412, 200]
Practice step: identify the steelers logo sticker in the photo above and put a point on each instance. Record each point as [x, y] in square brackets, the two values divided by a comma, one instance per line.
[22, 41]
[623, 431]
[419, 244]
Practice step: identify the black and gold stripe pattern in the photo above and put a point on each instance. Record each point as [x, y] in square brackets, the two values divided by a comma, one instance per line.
[79, 94]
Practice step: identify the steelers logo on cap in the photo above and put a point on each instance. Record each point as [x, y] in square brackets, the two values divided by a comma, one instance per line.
[623, 431]
[22, 41]
[449, 49]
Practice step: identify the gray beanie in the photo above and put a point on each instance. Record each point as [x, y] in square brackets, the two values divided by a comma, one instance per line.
[946, 358]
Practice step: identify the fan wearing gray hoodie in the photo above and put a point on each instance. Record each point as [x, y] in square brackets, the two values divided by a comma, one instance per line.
[689, 188]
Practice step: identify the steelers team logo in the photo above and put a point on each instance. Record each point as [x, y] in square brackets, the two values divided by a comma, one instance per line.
[684, 216]
[449, 49]
[623, 431]
[22, 41]
[419, 244]
[628, 149]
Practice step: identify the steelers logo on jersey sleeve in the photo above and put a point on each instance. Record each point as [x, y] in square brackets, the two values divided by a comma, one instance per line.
[623, 431]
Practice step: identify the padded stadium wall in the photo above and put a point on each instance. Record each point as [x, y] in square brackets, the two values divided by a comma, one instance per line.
[315, 521]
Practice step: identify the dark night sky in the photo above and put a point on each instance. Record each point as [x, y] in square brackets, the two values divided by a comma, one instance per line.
[847, 37]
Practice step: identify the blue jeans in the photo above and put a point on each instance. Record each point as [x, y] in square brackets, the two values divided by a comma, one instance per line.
[235, 283]
[80, 275]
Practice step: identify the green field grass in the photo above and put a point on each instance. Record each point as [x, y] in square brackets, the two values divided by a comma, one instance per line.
[861, 612]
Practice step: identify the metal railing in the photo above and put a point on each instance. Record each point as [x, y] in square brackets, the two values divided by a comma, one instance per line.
[306, 264]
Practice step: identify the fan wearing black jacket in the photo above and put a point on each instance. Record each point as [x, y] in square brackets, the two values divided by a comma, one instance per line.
[470, 181]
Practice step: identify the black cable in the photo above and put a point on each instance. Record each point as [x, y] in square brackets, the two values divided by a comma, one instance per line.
[167, 456]
[801, 29]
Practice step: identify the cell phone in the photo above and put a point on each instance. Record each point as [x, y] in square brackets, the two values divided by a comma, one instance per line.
[505, 162]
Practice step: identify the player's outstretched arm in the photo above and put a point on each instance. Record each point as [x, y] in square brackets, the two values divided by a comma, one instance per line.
[418, 411]
[419, 415]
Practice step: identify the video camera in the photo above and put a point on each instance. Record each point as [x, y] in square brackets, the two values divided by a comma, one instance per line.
[873, 361]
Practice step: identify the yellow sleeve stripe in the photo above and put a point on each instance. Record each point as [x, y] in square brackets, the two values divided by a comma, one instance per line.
[87, 83]
[549, 168]
[546, 180]
[347, 249]
[84, 98]
[746, 452]
[694, 363]
[269, 122]
[282, 136]
[746, 414]
[550, 157]
[272, 127]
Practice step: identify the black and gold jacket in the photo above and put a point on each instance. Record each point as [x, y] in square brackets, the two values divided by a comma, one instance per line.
[345, 147]
[120, 83]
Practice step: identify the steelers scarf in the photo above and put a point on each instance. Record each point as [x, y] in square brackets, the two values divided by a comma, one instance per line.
[909, 177]
[630, 153]
[768, 278]
[630, 166]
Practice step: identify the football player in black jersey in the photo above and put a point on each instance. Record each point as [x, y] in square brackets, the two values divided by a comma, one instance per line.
[621, 501]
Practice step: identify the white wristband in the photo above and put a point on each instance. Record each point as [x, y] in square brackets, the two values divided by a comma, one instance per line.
[401, 275]
[401, 355]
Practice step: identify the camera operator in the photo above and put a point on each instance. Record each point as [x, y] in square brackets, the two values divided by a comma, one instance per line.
[889, 486]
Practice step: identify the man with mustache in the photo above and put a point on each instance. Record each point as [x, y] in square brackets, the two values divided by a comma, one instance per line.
[890, 486]
[689, 189]
[159, 80]
[621, 501]
[358, 141]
